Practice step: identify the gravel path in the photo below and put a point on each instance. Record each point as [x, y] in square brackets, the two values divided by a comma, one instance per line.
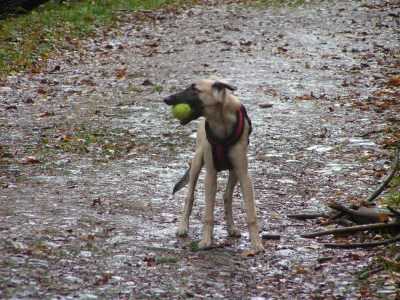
[89, 154]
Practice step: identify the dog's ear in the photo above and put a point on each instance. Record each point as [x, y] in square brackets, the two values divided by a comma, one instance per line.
[219, 90]
[218, 85]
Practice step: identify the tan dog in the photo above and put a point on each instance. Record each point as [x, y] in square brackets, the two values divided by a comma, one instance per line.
[222, 143]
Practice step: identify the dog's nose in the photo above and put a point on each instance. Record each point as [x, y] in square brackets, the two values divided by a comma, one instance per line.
[168, 100]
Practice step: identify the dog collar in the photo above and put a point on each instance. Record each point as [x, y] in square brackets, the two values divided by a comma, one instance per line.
[220, 147]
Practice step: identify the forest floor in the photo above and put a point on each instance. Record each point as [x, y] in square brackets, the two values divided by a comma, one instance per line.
[89, 154]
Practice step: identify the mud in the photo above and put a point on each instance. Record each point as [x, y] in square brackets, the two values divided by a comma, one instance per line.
[89, 154]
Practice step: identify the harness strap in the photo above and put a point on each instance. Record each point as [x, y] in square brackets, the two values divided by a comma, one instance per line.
[220, 147]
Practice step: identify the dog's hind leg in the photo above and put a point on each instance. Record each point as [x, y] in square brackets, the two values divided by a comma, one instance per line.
[210, 184]
[195, 168]
[232, 180]
[241, 169]
[248, 195]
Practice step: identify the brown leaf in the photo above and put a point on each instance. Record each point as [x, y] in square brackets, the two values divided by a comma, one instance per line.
[46, 114]
[306, 97]
[394, 81]
[248, 253]
[150, 260]
[120, 73]
[30, 160]
[104, 278]
[41, 91]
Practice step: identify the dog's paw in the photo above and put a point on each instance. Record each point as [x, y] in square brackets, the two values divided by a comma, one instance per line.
[257, 247]
[204, 244]
[182, 232]
[253, 251]
[234, 232]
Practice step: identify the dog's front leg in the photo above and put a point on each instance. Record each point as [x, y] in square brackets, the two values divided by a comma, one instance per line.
[195, 168]
[208, 221]
[239, 159]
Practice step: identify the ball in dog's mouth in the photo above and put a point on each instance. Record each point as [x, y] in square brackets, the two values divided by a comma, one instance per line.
[182, 111]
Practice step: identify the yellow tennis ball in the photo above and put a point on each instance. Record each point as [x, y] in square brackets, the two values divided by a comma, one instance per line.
[181, 111]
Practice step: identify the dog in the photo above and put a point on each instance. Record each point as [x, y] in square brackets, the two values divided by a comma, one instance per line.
[221, 144]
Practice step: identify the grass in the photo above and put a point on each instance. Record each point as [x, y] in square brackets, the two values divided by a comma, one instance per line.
[27, 40]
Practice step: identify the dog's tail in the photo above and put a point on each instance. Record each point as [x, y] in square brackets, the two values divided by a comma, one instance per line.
[182, 182]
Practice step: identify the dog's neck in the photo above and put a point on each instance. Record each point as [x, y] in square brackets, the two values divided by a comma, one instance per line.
[223, 117]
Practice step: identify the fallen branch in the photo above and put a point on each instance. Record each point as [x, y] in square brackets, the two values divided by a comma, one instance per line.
[395, 167]
[363, 215]
[270, 236]
[395, 212]
[375, 226]
[364, 245]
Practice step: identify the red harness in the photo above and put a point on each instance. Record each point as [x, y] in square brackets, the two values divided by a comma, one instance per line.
[220, 147]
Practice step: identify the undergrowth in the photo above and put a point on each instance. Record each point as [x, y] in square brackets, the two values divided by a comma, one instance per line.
[26, 40]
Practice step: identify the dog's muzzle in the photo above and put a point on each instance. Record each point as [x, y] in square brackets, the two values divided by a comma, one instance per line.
[190, 97]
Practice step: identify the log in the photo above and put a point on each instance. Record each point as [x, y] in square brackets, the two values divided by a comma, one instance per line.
[363, 215]
[375, 226]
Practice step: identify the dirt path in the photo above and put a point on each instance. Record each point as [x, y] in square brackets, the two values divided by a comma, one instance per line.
[89, 154]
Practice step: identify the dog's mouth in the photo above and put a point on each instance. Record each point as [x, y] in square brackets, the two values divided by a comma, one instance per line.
[188, 96]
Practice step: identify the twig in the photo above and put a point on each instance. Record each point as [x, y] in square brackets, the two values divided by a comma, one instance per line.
[271, 237]
[364, 245]
[351, 229]
[395, 212]
[382, 186]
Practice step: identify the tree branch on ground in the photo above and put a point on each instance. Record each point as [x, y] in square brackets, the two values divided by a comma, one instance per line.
[346, 230]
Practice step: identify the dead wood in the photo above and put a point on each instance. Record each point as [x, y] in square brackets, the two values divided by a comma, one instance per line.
[364, 245]
[375, 226]
[270, 236]
[395, 212]
[363, 215]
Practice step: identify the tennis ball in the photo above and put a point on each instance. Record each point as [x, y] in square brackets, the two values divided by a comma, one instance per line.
[181, 111]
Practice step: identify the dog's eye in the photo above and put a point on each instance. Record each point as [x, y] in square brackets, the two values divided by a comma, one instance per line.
[194, 88]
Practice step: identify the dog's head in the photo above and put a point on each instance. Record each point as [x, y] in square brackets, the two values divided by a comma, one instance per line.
[200, 95]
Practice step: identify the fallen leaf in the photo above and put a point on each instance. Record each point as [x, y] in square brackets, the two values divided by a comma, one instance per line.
[306, 97]
[46, 114]
[103, 279]
[41, 91]
[394, 81]
[249, 253]
[30, 160]
[120, 73]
